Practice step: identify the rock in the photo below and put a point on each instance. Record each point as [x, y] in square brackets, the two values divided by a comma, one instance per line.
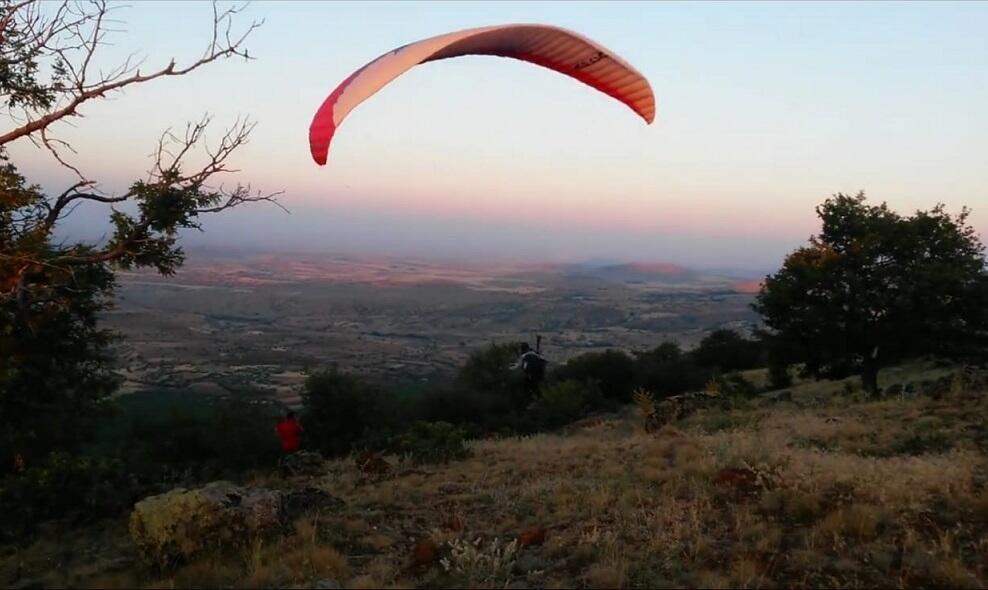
[295, 503]
[181, 523]
[518, 585]
[302, 463]
[740, 480]
[779, 396]
[116, 564]
[261, 509]
[372, 463]
[452, 488]
[327, 584]
[528, 563]
[425, 553]
[679, 407]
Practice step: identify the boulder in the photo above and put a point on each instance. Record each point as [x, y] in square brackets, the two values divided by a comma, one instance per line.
[302, 463]
[295, 503]
[424, 554]
[531, 536]
[181, 523]
[779, 396]
[370, 463]
[679, 407]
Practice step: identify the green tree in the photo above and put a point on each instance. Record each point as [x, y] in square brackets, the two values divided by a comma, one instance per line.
[339, 410]
[54, 357]
[727, 351]
[488, 371]
[612, 370]
[666, 370]
[875, 288]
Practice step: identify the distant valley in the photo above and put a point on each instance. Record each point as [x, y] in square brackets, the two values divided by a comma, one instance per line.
[256, 323]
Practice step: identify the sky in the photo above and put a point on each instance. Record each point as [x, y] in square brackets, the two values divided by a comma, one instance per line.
[764, 110]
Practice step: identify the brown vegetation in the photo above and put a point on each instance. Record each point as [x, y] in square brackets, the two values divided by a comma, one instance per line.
[808, 493]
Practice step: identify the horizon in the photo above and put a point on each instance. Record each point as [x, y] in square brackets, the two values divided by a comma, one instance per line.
[206, 253]
[764, 111]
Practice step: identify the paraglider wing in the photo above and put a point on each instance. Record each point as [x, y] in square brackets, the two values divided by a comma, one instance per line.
[558, 49]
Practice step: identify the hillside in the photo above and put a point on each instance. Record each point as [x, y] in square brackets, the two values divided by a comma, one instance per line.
[824, 490]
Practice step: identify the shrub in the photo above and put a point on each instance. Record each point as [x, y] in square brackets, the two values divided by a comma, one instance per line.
[666, 370]
[197, 438]
[779, 376]
[612, 370]
[726, 351]
[921, 443]
[338, 411]
[461, 405]
[487, 370]
[561, 403]
[240, 435]
[64, 485]
[433, 442]
[733, 385]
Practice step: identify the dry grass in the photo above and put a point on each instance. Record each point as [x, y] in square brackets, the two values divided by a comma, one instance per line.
[848, 494]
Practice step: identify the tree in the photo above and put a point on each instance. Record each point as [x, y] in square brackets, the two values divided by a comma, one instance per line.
[727, 351]
[488, 371]
[875, 288]
[339, 410]
[666, 370]
[54, 357]
[612, 370]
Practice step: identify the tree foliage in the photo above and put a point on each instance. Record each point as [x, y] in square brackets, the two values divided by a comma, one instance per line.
[340, 409]
[612, 370]
[727, 350]
[875, 287]
[54, 357]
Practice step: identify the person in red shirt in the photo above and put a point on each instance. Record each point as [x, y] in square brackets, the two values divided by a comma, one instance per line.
[290, 432]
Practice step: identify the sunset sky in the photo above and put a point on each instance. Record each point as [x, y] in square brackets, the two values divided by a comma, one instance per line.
[764, 110]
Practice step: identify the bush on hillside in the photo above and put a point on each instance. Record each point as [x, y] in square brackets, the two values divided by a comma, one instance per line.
[64, 485]
[433, 442]
[666, 370]
[339, 409]
[726, 350]
[560, 403]
[488, 371]
[478, 411]
[198, 440]
[612, 370]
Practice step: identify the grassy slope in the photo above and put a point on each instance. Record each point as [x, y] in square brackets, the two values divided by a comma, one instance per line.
[852, 494]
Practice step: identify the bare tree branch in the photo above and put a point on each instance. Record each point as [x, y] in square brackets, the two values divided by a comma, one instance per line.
[50, 40]
[177, 188]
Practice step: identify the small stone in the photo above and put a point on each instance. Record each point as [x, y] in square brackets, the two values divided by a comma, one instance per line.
[328, 584]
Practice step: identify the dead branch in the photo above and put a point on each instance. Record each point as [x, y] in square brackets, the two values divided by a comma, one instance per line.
[68, 32]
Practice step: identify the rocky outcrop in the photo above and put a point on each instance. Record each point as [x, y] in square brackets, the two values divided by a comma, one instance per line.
[182, 523]
[679, 407]
[302, 463]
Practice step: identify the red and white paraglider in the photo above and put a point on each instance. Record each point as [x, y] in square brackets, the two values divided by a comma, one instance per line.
[564, 51]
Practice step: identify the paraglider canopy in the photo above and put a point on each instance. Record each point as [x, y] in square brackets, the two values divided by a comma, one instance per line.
[552, 47]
